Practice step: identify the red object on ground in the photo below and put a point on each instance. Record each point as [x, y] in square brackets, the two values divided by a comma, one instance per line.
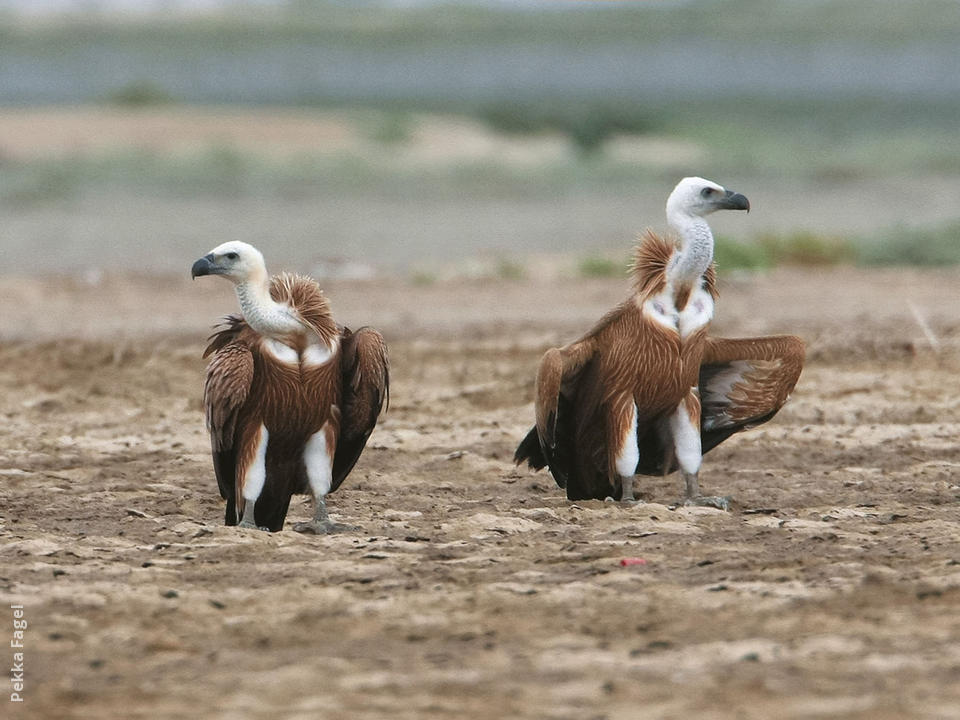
[627, 562]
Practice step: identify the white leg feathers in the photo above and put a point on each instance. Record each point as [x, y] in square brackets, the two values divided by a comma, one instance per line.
[253, 480]
[686, 438]
[257, 472]
[318, 458]
[319, 461]
[685, 428]
[629, 453]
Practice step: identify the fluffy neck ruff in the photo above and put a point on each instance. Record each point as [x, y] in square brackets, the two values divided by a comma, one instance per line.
[262, 313]
[652, 256]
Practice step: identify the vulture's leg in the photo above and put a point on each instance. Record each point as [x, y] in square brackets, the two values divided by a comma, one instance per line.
[624, 425]
[685, 428]
[253, 480]
[247, 520]
[318, 458]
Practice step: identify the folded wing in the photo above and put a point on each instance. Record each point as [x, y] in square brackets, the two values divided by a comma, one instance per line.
[557, 438]
[365, 370]
[229, 377]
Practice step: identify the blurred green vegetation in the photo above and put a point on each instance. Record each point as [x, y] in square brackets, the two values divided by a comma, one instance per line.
[587, 124]
[225, 171]
[734, 255]
[142, 93]
[931, 247]
[509, 269]
[601, 266]
[809, 249]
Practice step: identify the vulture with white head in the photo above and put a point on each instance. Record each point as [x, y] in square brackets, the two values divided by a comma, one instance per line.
[290, 396]
[647, 391]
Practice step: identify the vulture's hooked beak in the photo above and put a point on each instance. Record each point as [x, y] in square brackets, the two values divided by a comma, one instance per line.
[203, 266]
[733, 201]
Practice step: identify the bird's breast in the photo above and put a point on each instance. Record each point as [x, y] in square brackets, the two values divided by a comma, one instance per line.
[297, 388]
[318, 352]
[662, 312]
[305, 354]
[280, 352]
[695, 314]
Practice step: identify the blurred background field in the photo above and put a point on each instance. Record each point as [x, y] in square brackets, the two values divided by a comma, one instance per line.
[426, 140]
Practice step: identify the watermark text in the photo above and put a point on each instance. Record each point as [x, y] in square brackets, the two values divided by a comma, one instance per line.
[17, 682]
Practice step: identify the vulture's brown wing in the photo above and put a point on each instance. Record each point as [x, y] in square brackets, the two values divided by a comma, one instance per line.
[229, 377]
[554, 440]
[366, 388]
[745, 382]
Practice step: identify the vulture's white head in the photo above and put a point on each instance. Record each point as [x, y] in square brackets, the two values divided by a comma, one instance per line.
[236, 261]
[696, 197]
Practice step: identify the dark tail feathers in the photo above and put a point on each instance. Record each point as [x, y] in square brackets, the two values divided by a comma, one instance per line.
[530, 450]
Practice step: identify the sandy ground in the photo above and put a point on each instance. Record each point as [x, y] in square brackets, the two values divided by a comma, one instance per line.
[473, 588]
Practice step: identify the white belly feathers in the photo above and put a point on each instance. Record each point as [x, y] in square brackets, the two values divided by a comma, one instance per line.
[697, 313]
[281, 352]
[315, 354]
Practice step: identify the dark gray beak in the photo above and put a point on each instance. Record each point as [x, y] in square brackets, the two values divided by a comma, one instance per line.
[203, 266]
[733, 201]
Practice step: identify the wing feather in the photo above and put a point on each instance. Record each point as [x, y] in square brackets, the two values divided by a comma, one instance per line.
[553, 440]
[365, 369]
[745, 382]
[228, 381]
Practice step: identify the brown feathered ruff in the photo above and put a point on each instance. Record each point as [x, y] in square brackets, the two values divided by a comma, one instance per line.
[304, 294]
[651, 255]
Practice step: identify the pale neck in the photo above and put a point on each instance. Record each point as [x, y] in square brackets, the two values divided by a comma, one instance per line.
[696, 250]
[263, 313]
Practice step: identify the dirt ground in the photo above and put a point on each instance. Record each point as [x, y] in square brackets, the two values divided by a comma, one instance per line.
[473, 588]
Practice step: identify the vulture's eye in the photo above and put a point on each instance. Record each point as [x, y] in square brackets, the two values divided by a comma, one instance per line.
[707, 192]
[231, 256]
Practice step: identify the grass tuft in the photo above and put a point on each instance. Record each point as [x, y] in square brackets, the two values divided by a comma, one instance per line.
[731, 255]
[802, 248]
[510, 270]
[598, 266]
[423, 278]
[805, 248]
[587, 123]
[140, 93]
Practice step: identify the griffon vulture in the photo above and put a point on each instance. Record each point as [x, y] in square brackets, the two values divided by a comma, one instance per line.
[290, 396]
[647, 390]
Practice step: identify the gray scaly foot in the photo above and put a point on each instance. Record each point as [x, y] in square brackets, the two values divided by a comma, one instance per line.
[247, 521]
[721, 503]
[626, 493]
[321, 524]
[694, 497]
[314, 527]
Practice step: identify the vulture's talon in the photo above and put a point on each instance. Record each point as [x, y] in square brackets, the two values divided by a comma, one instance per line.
[721, 503]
